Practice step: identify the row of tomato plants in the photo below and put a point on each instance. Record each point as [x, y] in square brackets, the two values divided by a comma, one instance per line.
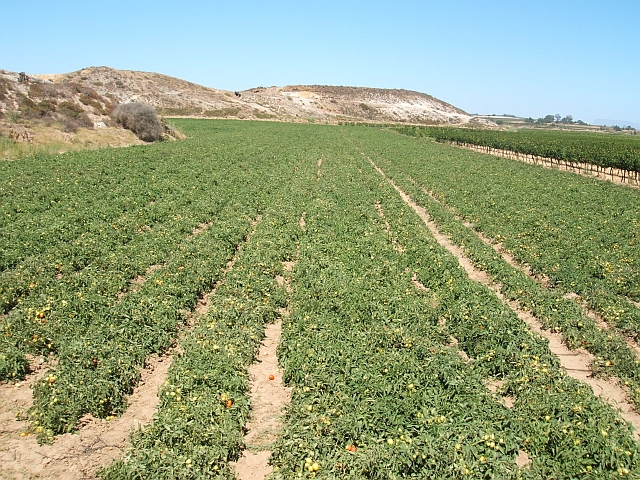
[369, 356]
[96, 370]
[66, 304]
[580, 234]
[381, 391]
[100, 336]
[62, 267]
[602, 150]
[613, 357]
[59, 214]
[204, 402]
[62, 214]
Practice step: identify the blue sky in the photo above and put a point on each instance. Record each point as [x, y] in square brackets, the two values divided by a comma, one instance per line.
[528, 58]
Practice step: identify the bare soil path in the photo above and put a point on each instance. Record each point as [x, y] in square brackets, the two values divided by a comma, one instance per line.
[269, 396]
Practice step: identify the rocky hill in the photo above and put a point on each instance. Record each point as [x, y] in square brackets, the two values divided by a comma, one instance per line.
[172, 96]
[71, 104]
[73, 110]
[40, 115]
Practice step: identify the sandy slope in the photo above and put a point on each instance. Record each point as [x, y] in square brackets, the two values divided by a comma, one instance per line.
[173, 96]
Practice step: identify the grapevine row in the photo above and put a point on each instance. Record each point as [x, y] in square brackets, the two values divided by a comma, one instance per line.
[602, 151]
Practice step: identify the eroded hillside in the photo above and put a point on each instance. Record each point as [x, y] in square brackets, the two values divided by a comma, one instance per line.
[172, 96]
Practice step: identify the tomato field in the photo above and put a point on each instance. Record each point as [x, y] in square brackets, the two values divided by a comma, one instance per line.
[400, 364]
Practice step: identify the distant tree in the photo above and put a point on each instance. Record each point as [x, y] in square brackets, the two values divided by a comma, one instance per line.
[528, 120]
[568, 119]
[558, 117]
[547, 119]
[617, 128]
[580, 122]
[141, 119]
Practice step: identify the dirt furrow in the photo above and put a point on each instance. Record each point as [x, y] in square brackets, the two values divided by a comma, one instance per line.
[98, 441]
[269, 396]
[136, 284]
[303, 222]
[575, 362]
[199, 229]
[394, 242]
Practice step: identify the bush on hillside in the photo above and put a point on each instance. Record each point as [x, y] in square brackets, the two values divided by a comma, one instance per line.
[141, 119]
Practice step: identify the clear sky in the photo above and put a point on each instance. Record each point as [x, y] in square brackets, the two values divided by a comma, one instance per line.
[527, 58]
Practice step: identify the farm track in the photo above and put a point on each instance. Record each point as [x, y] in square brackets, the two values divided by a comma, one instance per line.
[542, 280]
[97, 441]
[576, 363]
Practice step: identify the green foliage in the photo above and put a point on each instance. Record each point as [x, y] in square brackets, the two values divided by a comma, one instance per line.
[221, 113]
[371, 363]
[570, 231]
[603, 151]
[375, 363]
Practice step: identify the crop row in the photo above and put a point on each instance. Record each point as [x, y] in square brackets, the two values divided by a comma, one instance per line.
[556, 313]
[62, 214]
[204, 403]
[580, 234]
[98, 323]
[75, 247]
[603, 151]
[380, 389]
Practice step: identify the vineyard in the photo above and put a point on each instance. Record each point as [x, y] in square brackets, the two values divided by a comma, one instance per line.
[598, 151]
[431, 299]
